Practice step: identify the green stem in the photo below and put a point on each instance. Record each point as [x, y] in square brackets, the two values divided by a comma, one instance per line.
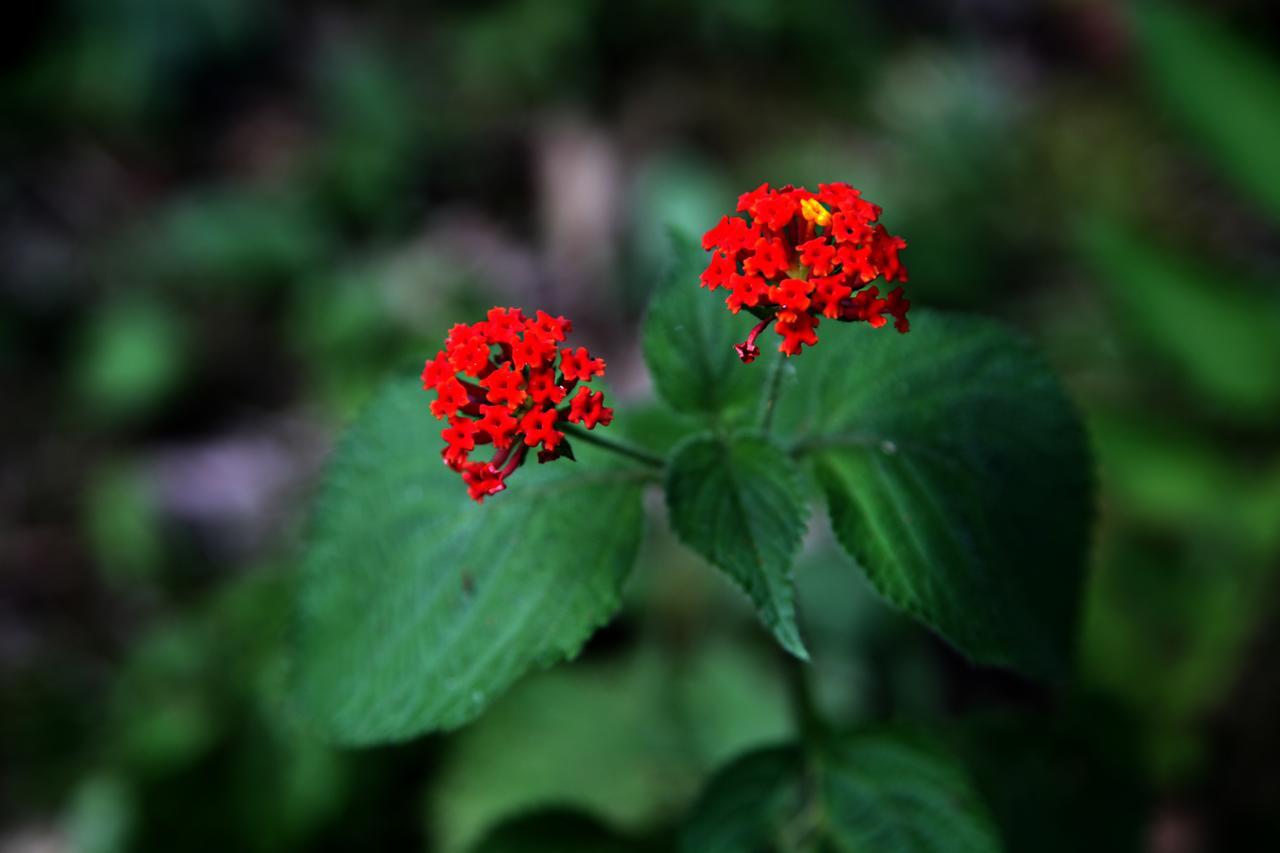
[621, 448]
[770, 400]
[813, 727]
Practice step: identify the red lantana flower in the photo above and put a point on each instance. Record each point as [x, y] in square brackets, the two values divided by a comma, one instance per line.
[795, 256]
[500, 382]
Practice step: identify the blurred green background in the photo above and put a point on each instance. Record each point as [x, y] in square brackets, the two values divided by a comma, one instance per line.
[224, 221]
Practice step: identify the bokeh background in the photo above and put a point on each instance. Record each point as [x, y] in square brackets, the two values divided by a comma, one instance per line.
[223, 222]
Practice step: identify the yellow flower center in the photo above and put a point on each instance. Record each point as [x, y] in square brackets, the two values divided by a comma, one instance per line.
[814, 212]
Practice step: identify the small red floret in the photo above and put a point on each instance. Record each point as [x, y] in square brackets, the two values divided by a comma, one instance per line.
[501, 382]
[796, 255]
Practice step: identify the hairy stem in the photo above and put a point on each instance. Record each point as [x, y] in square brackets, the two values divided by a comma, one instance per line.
[639, 454]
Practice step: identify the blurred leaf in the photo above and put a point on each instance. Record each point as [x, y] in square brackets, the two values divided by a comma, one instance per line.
[555, 831]
[1166, 628]
[1224, 89]
[373, 124]
[1165, 476]
[875, 790]
[234, 238]
[418, 606]
[628, 741]
[952, 461]
[101, 815]
[1212, 332]
[164, 702]
[738, 503]
[519, 50]
[689, 337]
[671, 192]
[131, 355]
[122, 524]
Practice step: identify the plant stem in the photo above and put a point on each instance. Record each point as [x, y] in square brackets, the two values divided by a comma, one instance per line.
[621, 448]
[812, 726]
[769, 402]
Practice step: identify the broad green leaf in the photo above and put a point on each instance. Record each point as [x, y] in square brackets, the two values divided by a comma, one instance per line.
[689, 336]
[417, 606]
[737, 501]
[1212, 331]
[875, 790]
[1223, 88]
[629, 741]
[959, 478]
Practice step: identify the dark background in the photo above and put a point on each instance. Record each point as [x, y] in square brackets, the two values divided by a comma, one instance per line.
[222, 222]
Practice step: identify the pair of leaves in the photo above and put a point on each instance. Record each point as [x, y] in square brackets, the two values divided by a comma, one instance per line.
[874, 790]
[955, 470]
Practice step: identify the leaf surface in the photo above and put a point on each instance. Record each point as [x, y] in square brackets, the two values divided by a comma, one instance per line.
[958, 476]
[737, 502]
[418, 606]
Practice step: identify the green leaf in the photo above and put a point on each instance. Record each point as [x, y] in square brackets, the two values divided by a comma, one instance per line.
[417, 606]
[1224, 89]
[1212, 330]
[688, 340]
[958, 476]
[875, 790]
[737, 501]
[629, 740]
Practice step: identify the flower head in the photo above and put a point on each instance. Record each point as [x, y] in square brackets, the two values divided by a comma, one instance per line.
[797, 255]
[501, 382]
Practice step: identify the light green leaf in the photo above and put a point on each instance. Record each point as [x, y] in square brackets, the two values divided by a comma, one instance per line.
[1224, 89]
[689, 337]
[737, 501]
[417, 606]
[875, 790]
[630, 740]
[958, 476]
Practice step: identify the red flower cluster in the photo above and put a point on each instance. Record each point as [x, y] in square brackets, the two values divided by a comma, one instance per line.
[800, 254]
[514, 374]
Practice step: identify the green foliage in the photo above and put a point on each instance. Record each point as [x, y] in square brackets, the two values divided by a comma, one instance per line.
[417, 606]
[1213, 333]
[121, 524]
[131, 355]
[237, 238]
[628, 740]
[874, 790]
[737, 502]
[689, 337]
[1221, 87]
[1165, 630]
[374, 122]
[958, 476]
